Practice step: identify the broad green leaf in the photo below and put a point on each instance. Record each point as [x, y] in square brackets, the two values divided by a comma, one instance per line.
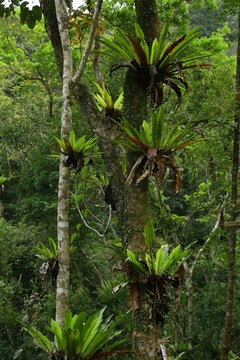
[170, 135]
[53, 247]
[146, 134]
[139, 32]
[172, 258]
[149, 234]
[72, 138]
[91, 328]
[44, 251]
[118, 103]
[161, 43]
[73, 236]
[154, 50]
[110, 44]
[73, 340]
[159, 261]
[136, 262]
[61, 143]
[68, 320]
[55, 328]
[79, 144]
[101, 101]
[157, 128]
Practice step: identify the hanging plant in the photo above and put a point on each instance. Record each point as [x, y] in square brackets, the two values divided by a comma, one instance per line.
[153, 273]
[105, 103]
[76, 151]
[157, 147]
[157, 65]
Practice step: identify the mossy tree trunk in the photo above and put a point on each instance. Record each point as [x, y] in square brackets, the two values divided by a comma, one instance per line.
[146, 332]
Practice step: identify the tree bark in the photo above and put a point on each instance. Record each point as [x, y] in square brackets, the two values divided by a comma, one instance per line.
[226, 341]
[147, 18]
[131, 201]
[65, 65]
[147, 333]
[62, 294]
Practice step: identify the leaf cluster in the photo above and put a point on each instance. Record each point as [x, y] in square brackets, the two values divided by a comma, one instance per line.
[79, 338]
[76, 151]
[160, 64]
[44, 252]
[163, 261]
[157, 147]
[105, 103]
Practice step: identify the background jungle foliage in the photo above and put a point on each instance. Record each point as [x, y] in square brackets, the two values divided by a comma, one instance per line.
[30, 102]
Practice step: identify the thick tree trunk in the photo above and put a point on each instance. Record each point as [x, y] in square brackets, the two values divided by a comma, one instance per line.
[226, 341]
[135, 110]
[147, 333]
[147, 18]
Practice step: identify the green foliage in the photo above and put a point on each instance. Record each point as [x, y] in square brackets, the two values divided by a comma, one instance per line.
[163, 262]
[159, 65]
[104, 101]
[27, 16]
[157, 147]
[2, 179]
[155, 136]
[44, 252]
[76, 151]
[78, 337]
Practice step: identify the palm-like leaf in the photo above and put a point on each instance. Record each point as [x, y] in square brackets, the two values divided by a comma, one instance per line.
[79, 339]
[161, 64]
[157, 147]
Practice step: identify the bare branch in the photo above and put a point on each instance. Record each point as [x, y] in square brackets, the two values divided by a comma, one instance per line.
[87, 50]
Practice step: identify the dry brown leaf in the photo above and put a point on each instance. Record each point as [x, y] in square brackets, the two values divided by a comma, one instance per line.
[152, 158]
[161, 166]
[133, 296]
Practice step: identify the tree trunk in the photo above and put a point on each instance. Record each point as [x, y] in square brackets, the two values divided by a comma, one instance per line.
[62, 294]
[234, 197]
[56, 23]
[147, 18]
[147, 333]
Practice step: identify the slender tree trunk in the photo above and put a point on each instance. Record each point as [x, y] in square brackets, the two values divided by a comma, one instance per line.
[234, 196]
[62, 294]
[69, 82]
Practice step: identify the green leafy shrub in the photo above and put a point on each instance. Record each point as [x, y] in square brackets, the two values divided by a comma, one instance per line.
[79, 339]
